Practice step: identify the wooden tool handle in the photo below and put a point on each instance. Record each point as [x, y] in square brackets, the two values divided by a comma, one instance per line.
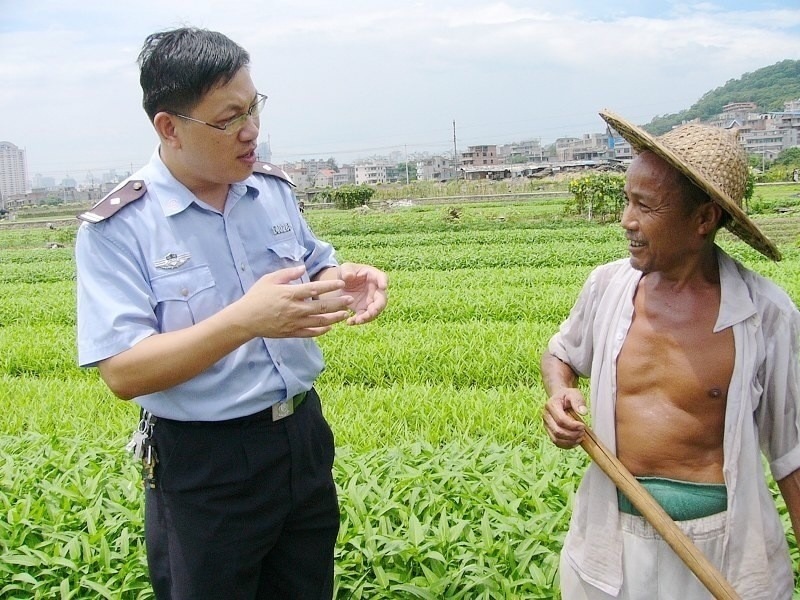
[706, 572]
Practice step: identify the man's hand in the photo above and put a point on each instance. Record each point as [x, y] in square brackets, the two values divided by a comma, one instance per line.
[275, 308]
[366, 287]
[564, 431]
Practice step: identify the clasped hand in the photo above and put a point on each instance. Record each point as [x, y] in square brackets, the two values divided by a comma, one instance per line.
[273, 308]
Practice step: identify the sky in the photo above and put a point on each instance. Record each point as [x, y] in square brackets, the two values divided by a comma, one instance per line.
[359, 78]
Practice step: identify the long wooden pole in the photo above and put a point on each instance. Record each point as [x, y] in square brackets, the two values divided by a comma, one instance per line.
[706, 572]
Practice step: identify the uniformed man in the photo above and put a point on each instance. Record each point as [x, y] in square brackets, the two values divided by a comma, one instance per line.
[200, 287]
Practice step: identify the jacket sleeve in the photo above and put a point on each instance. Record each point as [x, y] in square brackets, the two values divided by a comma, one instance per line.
[778, 413]
[574, 342]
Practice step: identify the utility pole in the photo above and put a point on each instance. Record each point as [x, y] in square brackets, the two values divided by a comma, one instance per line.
[405, 147]
[455, 151]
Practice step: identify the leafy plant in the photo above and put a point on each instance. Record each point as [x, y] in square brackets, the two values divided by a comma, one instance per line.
[449, 487]
[348, 196]
[597, 196]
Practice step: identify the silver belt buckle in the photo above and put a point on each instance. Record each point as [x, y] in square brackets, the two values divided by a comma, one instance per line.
[282, 409]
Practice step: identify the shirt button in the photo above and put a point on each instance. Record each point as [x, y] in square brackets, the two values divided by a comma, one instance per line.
[242, 267]
[184, 292]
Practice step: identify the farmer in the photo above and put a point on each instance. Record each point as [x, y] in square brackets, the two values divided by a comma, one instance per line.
[693, 367]
[200, 287]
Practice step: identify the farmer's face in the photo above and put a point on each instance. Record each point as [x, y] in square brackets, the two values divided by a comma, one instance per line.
[657, 221]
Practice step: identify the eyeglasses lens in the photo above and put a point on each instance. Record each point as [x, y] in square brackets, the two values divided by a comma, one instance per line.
[235, 125]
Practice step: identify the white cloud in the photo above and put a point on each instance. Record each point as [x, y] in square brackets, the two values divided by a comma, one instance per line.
[347, 77]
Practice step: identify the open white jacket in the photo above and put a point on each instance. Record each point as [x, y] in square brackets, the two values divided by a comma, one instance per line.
[762, 415]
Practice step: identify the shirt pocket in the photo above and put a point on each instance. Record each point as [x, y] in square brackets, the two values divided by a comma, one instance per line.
[185, 297]
[286, 252]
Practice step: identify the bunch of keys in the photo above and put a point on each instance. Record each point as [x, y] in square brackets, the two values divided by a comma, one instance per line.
[142, 448]
[149, 465]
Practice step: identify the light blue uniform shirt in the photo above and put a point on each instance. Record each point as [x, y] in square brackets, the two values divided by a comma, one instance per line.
[168, 260]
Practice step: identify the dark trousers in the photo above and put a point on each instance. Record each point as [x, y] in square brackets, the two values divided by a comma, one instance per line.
[243, 509]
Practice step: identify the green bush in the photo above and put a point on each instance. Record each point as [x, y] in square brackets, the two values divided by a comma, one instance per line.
[348, 196]
[597, 196]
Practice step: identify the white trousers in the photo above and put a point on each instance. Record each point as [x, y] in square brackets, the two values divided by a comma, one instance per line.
[653, 571]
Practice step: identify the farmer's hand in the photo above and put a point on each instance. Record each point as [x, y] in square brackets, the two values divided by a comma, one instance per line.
[564, 430]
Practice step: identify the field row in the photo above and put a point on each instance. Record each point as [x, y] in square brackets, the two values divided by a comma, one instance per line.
[448, 485]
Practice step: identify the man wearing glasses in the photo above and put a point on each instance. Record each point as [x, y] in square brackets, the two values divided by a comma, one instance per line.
[200, 287]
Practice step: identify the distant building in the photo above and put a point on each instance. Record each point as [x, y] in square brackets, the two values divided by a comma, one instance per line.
[476, 156]
[324, 178]
[618, 147]
[299, 176]
[591, 146]
[741, 111]
[112, 177]
[371, 174]
[42, 182]
[526, 151]
[768, 143]
[264, 152]
[478, 172]
[762, 134]
[312, 167]
[13, 172]
[436, 168]
[345, 176]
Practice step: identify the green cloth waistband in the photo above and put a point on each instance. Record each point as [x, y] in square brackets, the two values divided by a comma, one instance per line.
[682, 500]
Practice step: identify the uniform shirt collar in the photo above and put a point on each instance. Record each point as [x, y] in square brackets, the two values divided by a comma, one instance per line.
[174, 197]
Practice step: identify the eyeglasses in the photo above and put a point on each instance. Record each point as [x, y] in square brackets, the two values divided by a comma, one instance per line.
[234, 125]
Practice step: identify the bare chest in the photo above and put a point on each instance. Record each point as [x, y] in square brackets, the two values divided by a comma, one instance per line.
[673, 375]
[671, 347]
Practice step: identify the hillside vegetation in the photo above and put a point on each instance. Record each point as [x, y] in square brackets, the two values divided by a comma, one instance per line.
[768, 87]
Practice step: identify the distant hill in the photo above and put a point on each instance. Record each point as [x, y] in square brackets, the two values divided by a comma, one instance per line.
[768, 87]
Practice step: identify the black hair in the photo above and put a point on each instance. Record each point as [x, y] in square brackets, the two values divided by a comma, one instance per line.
[178, 67]
[694, 197]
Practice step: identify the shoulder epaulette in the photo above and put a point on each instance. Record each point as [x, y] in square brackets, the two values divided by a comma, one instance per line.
[264, 168]
[108, 206]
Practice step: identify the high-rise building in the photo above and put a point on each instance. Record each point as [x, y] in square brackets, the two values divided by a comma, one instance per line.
[264, 152]
[42, 182]
[13, 171]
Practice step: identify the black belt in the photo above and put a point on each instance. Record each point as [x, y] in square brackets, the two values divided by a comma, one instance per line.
[275, 412]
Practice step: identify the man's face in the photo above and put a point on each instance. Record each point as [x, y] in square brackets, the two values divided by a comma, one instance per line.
[657, 223]
[212, 157]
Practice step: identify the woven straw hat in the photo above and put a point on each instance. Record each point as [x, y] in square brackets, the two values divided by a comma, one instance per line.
[713, 160]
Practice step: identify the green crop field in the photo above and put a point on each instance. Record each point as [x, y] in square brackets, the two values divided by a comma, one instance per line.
[449, 487]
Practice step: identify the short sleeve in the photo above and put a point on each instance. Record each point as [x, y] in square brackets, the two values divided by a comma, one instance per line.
[115, 303]
[573, 344]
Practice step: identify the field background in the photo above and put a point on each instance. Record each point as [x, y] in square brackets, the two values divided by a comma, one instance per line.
[449, 487]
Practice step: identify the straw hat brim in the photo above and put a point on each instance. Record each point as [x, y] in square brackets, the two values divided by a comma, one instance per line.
[740, 224]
